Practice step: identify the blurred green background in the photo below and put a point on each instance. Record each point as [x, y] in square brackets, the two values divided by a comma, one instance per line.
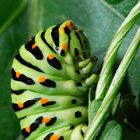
[21, 19]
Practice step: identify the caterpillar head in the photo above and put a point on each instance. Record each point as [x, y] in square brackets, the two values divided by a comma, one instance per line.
[72, 39]
[72, 46]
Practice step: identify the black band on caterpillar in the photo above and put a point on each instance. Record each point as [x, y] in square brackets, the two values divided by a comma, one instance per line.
[45, 41]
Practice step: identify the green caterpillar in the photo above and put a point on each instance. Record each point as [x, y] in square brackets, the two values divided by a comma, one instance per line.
[51, 77]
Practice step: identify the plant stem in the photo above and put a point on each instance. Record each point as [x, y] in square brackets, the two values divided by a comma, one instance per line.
[109, 60]
[114, 87]
[115, 103]
[132, 126]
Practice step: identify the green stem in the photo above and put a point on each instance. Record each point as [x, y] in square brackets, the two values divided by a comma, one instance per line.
[115, 103]
[13, 16]
[132, 126]
[114, 87]
[109, 60]
[34, 16]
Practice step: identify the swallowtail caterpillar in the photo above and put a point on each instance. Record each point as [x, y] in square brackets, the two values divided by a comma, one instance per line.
[51, 77]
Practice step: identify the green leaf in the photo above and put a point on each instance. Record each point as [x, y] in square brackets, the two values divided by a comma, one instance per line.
[92, 109]
[128, 134]
[112, 131]
[98, 18]
[123, 106]
[115, 103]
[9, 125]
[122, 6]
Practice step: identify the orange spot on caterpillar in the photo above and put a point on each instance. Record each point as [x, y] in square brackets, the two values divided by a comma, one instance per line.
[45, 120]
[41, 79]
[70, 24]
[54, 137]
[20, 105]
[18, 74]
[43, 100]
[34, 46]
[27, 129]
[64, 46]
[50, 56]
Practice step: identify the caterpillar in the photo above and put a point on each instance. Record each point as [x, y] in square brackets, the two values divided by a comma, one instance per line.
[51, 77]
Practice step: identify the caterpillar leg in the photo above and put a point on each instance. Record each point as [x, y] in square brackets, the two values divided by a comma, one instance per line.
[91, 80]
[87, 65]
[83, 63]
[79, 132]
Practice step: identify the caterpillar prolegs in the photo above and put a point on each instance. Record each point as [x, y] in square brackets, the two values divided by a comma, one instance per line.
[51, 77]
